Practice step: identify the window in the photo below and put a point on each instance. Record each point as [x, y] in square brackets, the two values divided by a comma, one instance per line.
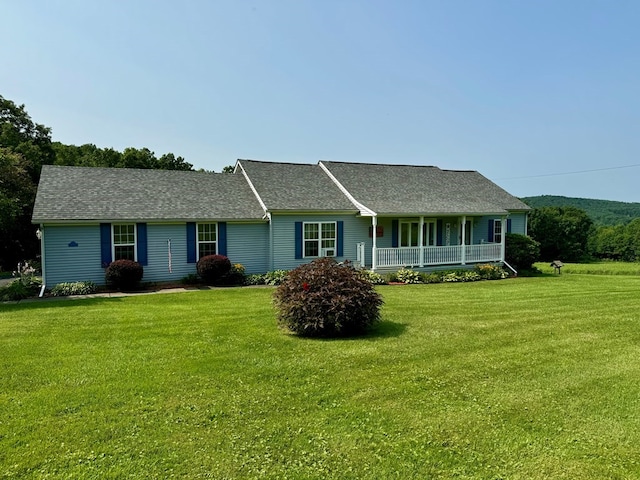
[320, 239]
[497, 230]
[124, 242]
[429, 233]
[409, 233]
[207, 239]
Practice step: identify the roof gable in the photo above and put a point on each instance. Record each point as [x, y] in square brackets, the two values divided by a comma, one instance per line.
[88, 193]
[295, 187]
[415, 189]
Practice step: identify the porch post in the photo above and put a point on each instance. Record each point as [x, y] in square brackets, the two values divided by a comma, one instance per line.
[503, 234]
[421, 241]
[463, 245]
[374, 224]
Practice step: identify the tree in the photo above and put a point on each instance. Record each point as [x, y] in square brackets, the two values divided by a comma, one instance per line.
[563, 232]
[228, 169]
[521, 251]
[169, 161]
[25, 146]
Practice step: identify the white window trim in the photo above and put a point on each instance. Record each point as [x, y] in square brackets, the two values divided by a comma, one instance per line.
[497, 222]
[135, 241]
[411, 221]
[320, 239]
[198, 242]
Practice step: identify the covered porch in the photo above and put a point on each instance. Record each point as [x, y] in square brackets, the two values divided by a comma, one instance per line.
[424, 253]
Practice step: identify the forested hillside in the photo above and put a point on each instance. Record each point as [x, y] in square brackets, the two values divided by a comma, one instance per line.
[602, 212]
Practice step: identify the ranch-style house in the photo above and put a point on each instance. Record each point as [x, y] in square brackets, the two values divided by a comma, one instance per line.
[268, 216]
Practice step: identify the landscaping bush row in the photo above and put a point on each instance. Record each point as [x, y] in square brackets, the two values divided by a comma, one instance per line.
[404, 275]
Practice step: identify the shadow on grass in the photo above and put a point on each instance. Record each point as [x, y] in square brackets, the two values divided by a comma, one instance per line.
[386, 329]
[383, 329]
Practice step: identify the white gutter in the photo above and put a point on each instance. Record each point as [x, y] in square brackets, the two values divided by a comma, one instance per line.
[253, 189]
[364, 210]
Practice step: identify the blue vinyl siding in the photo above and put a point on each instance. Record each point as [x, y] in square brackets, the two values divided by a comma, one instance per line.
[248, 244]
[64, 263]
[157, 268]
[354, 230]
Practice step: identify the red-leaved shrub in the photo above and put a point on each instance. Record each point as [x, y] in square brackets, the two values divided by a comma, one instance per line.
[326, 299]
[124, 274]
[212, 268]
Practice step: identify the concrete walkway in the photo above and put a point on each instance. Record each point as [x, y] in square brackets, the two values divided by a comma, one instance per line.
[128, 294]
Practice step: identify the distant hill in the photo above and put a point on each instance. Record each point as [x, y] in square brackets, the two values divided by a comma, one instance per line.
[602, 212]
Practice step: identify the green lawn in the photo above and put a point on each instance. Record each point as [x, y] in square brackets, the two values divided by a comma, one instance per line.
[595, 268]
[529, 378]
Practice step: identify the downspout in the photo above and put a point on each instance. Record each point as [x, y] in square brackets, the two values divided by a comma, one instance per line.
[271, 263]
[42, 261]
[374, 224]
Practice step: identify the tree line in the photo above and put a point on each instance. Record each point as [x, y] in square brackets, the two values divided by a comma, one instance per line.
[602, 212]
[569, 234]
[24, 147]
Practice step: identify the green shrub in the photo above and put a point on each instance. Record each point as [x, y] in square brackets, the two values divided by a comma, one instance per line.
[236, 275]
[16, 290]
[191, 279]
[373, 277]
[326, 299]
[124, 274]
[521, 252]
[212, 268]
[73, 288]
[275, 277]
[254, 279]
[405, 275]
[490, 272]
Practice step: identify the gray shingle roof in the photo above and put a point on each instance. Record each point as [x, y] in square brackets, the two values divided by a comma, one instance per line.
[295, 187]
[86, 193]
[411, 189]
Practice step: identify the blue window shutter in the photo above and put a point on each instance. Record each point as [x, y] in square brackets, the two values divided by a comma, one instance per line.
[491, 231]
[508, 225]
[105, 244]
[222, 238]
[191, 242]
[394, 233]
[340, 239]
[439, 232]
[142, 243]
[298, 239]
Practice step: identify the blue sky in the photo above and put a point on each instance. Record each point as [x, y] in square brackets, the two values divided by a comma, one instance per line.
[541, 97]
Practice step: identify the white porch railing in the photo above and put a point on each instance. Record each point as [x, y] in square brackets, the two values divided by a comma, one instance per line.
[428, 256]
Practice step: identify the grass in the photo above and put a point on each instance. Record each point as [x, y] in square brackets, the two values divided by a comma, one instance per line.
[527, 378]
[596, 268]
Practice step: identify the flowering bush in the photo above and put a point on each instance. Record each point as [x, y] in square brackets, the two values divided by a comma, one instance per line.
[490, 272]
[124, 274]
[236, 275]
[326, 299]
[212, 268]
[373, 277]
[26, 284]
[405, 275]
[73, 288]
